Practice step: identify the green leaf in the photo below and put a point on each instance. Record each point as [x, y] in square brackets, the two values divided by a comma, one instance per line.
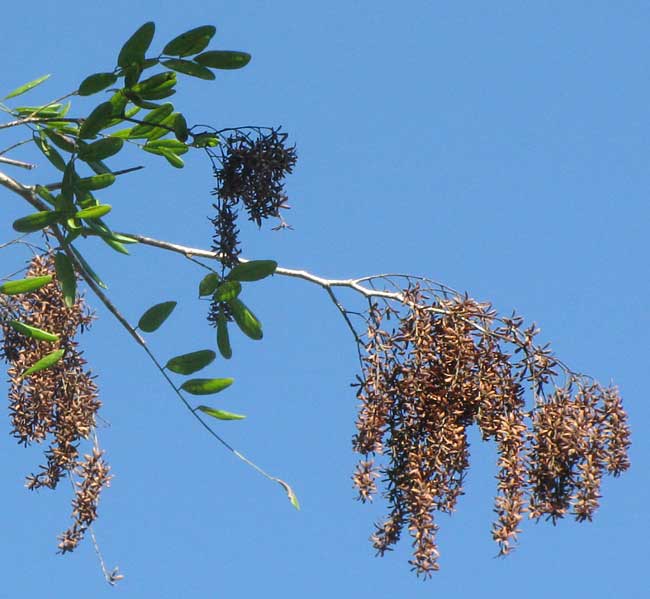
[136, 46]
[66, 277]
[46, 362]
[180, 128]
[36, 221]
[67, 186]
[100, 228]
[115, 245]
[206, 386]
[172, 145]
[96, 120]
[245, 319]
[24, 285]
[155, 316]
[223, 339]
[208, 284]
[93, 275]
[100, 149]
[220, 414]
[173, 159]
[95, 182]
[223, 59]
[290, 494]
[25, 88]
[94, 211]
[192, 362]
[45, 194]
[190, 42]
[253, 270]
[65, 142]
[48, 151]
[47, 111]
[187, 67]
[161, 81]
[205, 140]
[152, 119]
[32, 332]
[227, 290]
[96, 83]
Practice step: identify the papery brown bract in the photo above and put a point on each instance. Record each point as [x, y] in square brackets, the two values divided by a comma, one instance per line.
[448, 364]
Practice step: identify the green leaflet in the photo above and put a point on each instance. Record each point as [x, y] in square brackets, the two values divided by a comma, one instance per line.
[187, 67]
[153, 318]
[253, 270]
[32, 332]
[102, 230]
[205, 140]
[116, 245]
[208, 284]
[245, 319]
[192, 41]
[25, 88]
[290, 494]
[65, 142]
[220, 414]
[95, 182]
[100, 149]
[152, 119]
[93, 275]
[192, 362]
[45, 194]
[161, 81]
[94, 211]
[136, 46]
[36, 221]
[51, 111]
[66, 277]
[206, 386]
[45, 362]
[48, 151]
[96, 83]
[223, 338]
[223, 59]
[180, 128]
[96, 120]
[171, 145]
[24, 285]
[227, 290]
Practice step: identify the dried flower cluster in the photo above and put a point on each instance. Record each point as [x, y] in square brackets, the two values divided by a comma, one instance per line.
[251, 176]
[451, 363]
[58, 404]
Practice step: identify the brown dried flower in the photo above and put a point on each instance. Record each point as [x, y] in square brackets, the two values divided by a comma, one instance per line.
[58, 404]
[449, 364]
[253, 165]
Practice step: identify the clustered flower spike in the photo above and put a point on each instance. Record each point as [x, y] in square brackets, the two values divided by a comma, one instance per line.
[59, 404]
[451, 363]
[253, 166]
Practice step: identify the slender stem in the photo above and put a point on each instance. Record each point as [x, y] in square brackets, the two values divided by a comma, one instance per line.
[28, 120]
[18, 163]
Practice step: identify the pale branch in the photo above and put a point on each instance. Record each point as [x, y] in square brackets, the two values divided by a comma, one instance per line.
[29, 120]
[323, 282]
[18, 163]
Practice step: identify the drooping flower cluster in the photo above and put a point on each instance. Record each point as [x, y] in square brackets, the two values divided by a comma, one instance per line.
[253, 166]
[452, 363]
[59, 404]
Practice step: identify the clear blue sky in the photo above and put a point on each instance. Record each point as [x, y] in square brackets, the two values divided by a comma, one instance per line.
[499, 147]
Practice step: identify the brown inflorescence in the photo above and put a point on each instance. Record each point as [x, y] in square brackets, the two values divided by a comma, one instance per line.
[253, 165]
[59, 404]
[450, 363]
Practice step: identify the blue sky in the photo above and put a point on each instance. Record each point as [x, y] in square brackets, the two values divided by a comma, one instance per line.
[500, 149]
